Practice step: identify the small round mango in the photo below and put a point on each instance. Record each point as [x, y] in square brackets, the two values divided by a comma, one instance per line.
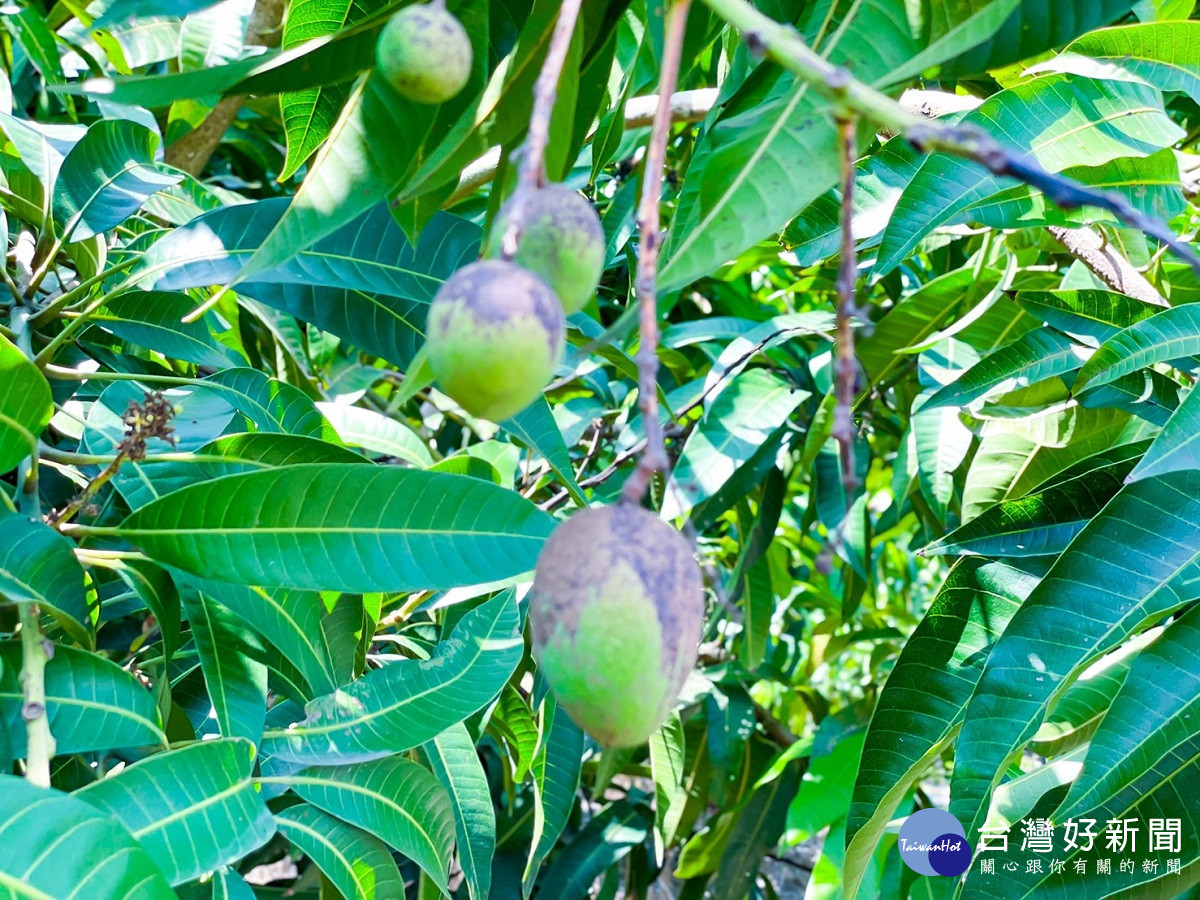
[561, 240]
[616, 611]
[494, 336]
[425, 53]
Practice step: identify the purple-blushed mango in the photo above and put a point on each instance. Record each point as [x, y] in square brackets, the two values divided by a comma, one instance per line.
[425, 53]
[616, 611]
[561, 241]
[495, 335]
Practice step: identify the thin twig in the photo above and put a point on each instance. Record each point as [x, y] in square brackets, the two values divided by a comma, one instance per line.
[531, 172]
[654, 458]
[846, 365]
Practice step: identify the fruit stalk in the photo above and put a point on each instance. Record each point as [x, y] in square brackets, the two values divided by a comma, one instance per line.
[531, 172]
[846, 366]
[654, 458]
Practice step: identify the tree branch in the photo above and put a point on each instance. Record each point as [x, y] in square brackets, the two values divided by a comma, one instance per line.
[654, 458]
[1107, 263]
[785, 46]
[192, 151]
[846, 365]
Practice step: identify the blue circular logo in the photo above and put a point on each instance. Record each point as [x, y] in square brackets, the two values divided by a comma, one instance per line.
[933, 842]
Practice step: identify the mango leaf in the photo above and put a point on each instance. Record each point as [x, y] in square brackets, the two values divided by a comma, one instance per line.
[37, 565]
[755, 832]
[302, 625]
[100, 860]
[1163, 54]
[408, 702]
[1039, 524]
[91, 703]
[755, 404]
[151, 319]
[308, 115]
[394, 799]
[269, 404]
[1151, 715]
[1034, 356]
[364, 282]
[556, 772]
[604, 841]
[206, 812]
[1057, 120]
[408, 529]
[25, 405]
[453, 758]
[1171, 334]
[106, 178]
[924, 699]
[1175, 448]
[376, 432]
[535, 427]
[230, 660]
[667, 769]
[1094, 313]
[358, 863]
[1133, 564]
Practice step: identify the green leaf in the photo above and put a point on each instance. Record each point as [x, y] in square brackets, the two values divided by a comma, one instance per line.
[1038, 524]
[308, 115]
[206, 812]
[1093, 313]
[121, 10]
[1129, 567]
[755, 832]
[667, 769]
[358, 863]
[151, 319]
[25, 405]
[377, 433]
[37, 565]
[924, 699]
[1171, 334]
[410, 701]
[106, 178]
[407, 530]
[236, 679]
[535, 427]
[302, 625]
[91, 703]
[556, 773]
[394, 799]
[755, 404]
[269, 404]
[99, 860]
[1032, 357]
[604, 841]
[452, 757]
[1151, 715]
[364, 282]
[1175, 448]
[1165, 55]
[1057, 121]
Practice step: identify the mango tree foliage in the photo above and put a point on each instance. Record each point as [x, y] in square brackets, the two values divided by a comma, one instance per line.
[264, 586]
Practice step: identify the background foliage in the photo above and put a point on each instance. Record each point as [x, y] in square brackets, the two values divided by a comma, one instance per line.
[281, 575]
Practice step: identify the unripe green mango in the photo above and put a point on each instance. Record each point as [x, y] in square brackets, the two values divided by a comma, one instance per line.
[425, 54]
[494, 336]
[561, 241]
[616, 612]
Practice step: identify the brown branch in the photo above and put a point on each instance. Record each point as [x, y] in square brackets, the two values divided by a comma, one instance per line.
[193, 150]
[654, 458]
[846, 365]
[531, 170]
[1107, 263]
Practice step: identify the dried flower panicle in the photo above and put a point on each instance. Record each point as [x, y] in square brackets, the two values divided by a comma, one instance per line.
[151, 418]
